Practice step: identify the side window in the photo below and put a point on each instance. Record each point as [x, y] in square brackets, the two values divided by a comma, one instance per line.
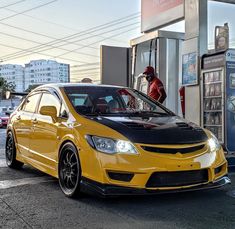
[108, 98]
[30, 103]
[79, 99]
[63, 112]
[50, 100]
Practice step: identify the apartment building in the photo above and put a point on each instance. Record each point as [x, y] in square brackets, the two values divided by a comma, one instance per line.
[35, 72]
[45, 71]
[13, 73]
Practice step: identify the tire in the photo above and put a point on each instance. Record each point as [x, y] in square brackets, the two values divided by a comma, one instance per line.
[10, 153]
[69, 170]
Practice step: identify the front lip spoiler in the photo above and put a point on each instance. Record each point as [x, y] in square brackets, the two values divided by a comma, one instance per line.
[106, 190]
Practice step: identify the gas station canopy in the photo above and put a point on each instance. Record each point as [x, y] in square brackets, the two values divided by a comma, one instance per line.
[157, 14]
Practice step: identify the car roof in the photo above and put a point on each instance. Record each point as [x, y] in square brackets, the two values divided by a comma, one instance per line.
[63, 85]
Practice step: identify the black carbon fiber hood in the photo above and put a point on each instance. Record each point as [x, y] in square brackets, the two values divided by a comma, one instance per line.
[155, 130]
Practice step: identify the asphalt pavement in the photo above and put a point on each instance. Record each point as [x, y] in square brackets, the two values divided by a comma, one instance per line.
[2, 139]
[31, 199]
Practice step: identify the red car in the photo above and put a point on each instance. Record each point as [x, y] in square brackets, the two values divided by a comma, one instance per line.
[3, 120]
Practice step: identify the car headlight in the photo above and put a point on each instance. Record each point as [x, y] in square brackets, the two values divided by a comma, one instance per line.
[111, 146]
[214, 143]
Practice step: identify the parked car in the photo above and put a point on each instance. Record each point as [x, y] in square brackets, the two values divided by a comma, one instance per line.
[3, 109]
[4, 119]
[112, 141]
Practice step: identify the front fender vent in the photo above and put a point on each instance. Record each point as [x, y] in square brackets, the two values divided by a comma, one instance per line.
[127, 177]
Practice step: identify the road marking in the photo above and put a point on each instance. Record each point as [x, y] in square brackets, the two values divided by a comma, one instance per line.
[5, 184]
[3, 163]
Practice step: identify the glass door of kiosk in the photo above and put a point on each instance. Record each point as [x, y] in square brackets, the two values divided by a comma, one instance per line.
[218, 96]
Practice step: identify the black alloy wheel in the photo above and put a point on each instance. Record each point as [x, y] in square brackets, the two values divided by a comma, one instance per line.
[69, 170]
[10, 153]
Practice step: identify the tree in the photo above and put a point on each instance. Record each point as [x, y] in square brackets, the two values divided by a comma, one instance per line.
[6, 86]
[1, 82]
[31, 87]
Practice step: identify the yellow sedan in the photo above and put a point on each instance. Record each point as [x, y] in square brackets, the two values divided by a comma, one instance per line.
[111, 141]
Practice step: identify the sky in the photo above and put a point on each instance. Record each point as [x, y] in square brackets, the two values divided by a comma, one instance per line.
[83, 19]
[73, 30]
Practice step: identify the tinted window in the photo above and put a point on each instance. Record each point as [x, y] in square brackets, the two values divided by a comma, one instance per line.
[50, 100]
[80, 99]
[112, 100]
[31, 103]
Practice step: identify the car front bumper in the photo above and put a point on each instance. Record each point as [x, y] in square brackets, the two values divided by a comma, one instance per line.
[107, 190]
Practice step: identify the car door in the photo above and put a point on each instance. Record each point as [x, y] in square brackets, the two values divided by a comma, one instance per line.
[23, 123]
[43, 145]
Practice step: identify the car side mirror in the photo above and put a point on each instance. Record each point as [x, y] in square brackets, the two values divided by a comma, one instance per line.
[49, 111]
[9, 94]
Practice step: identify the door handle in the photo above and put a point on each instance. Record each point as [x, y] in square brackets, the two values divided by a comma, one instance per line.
[34, 121]
[18, 117]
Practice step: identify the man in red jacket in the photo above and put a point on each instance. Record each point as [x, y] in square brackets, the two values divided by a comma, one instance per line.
[155, 89]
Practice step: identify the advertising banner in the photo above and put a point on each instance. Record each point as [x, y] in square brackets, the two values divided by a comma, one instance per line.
[230, 100]
[213, 61]
[189, 71]
[157, 13]
[221, 38]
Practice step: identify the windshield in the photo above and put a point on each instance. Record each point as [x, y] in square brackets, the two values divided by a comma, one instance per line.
[112, 101]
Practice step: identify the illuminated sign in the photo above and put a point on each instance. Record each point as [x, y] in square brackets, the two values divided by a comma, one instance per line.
[157, 13]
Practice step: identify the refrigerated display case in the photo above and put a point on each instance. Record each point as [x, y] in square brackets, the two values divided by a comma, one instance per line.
[218, 96]
[213, 97]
